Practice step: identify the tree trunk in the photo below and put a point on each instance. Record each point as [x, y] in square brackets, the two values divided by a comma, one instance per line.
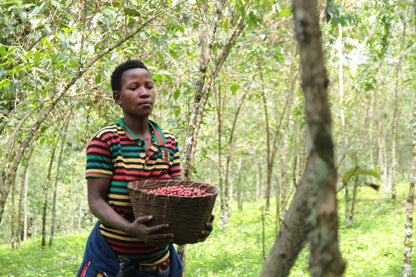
[259, 178]
[322, 12]
[341, 85]
[284, 183]
[271, 146]
[13, 218]
[223, 195]
[316, 191]
[46, 185]
[22, 196]
[396, 116]
[353, 201]
[347, 200]
[225, 51]
[269, 163]
[240, 192]
[278, 201]
[25, 223]
[408, 240]
[192, 129]
[230, 149]
[206, 49]
[55, 189]
[224, 185]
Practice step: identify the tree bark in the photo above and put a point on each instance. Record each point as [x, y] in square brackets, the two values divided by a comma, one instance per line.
[22, 196]
[206, 50]
[396, 116]
[46, 192]
[313, 211]
[269, 162]
[55, 189]
[322, 12]
[408, 240]
[219, 61]
[192, 129]
[271, 146]
[228, 184]
[223, 195]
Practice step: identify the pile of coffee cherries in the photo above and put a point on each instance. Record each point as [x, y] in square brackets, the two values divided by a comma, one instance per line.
[179, 191]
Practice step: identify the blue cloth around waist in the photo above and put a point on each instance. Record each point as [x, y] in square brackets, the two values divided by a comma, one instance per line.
[103, 259]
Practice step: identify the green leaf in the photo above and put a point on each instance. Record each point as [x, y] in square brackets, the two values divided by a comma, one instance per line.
[98, 78]
[176, 94]
[358, 171]
[252, 19]
[285, 11]
[3, 51]
[131, 12]
[234, 88]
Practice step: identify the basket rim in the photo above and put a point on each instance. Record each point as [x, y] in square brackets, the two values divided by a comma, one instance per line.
[142, 191]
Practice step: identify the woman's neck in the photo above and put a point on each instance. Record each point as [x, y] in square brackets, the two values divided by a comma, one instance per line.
[140, 128]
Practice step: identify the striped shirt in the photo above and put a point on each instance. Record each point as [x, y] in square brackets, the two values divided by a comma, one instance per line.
[117, 154]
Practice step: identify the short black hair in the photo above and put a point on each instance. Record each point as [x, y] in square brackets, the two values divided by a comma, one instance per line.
[118, 72]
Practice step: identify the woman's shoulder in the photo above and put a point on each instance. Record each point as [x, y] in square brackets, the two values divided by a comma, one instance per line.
[109, 130]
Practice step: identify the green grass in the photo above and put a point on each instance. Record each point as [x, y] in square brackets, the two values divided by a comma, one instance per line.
[62, 259]
[372, 247]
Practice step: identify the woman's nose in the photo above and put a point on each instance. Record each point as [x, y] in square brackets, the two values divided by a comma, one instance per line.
[143, 92]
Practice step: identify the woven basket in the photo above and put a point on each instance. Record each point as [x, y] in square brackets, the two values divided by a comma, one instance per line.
[186, 216]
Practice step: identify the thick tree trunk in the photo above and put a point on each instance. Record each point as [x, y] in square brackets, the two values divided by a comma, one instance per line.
[294, 228]
[313, 211]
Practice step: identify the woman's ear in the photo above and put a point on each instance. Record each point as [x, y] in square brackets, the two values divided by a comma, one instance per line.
[116, 97]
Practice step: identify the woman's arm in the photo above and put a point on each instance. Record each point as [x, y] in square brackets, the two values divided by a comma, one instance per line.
[98, 189]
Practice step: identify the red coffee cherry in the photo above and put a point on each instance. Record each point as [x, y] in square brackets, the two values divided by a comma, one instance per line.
[179, 191]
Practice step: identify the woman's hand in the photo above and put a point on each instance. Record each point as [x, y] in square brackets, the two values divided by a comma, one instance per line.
[150, 235]
[98, 189]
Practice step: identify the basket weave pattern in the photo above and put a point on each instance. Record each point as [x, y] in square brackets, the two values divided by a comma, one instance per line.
[186, 216]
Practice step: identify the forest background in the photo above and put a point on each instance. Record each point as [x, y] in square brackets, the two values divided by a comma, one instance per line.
[238, 67]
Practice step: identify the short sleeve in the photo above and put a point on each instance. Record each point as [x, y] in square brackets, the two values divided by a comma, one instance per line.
[99, 161]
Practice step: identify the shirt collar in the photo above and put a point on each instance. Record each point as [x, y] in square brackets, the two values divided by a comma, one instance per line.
[157, 133]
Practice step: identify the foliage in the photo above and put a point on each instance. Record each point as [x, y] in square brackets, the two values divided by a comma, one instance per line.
[358, 171]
